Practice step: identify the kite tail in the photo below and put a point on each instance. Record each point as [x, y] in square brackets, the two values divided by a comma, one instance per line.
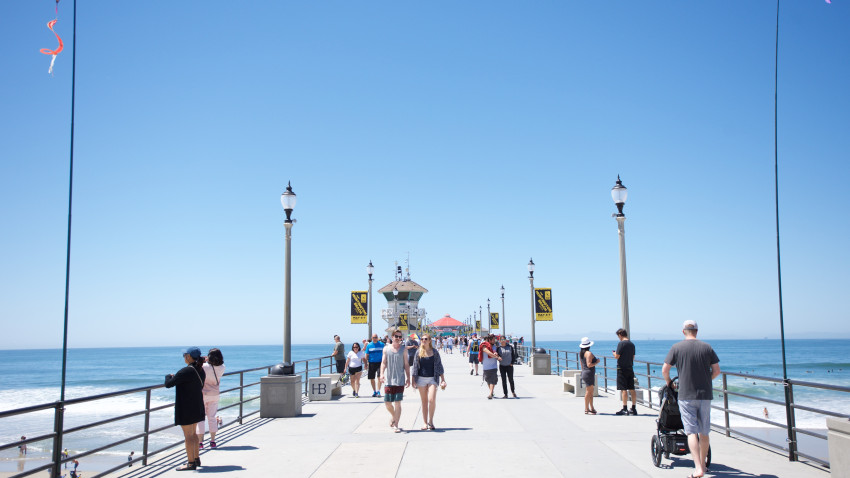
[48, 51]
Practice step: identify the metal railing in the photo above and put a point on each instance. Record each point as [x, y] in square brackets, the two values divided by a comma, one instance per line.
[57, 436]
[564, 360]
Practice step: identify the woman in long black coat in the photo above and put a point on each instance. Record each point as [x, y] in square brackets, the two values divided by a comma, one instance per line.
[189, 402]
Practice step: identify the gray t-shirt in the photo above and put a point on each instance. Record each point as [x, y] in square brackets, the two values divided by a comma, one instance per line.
[339, 351]
[395, 366]
[693, 360]
[506, 355]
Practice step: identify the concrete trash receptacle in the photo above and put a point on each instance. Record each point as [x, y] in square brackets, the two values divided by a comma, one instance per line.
[280, 396]
[541, 364]
[319, 388]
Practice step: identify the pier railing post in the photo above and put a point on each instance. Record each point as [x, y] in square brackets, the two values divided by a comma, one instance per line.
[649, 385]
[147, 427]
[790, 420]
[605, 370]
[241, 395]
[558, 362]
[58, 426]
[726, 406]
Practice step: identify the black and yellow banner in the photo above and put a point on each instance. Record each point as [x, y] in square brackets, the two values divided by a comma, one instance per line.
[543, 304]
[478, 325]
[494, 320]
[402, 321]
[359, 306]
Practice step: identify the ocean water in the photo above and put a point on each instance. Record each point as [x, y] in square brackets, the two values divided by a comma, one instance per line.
[822, 361]
[31, 377]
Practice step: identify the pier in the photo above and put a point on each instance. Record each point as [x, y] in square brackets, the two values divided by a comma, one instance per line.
[543, 433]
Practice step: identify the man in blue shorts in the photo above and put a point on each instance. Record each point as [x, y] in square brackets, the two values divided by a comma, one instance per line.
[375, 351]
[697, 365]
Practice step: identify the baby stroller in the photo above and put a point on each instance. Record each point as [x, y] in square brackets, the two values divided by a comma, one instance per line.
[670, 436]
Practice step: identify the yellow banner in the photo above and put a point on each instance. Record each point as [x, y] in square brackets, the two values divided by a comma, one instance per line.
[478, 325]
[543, 305]
[359, 306]
[402, 321]
[494, 320]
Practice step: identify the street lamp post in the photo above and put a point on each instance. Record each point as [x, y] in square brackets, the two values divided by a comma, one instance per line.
[489, 323]
[504, 327]
[531, 281]
[288, 201]
[395, 305]
[369, 270]
[481, 318]
[619, 194]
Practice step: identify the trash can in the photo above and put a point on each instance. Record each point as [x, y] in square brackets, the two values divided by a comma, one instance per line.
[541, 362]
[280, 392]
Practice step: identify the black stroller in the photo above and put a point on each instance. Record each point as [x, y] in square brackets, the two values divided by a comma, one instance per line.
[670, 437]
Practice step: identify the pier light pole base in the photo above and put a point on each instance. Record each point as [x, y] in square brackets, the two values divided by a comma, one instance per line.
[280, 396]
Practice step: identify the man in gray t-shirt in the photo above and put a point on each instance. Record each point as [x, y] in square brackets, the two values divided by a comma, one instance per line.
[697, 365]
[339, 354]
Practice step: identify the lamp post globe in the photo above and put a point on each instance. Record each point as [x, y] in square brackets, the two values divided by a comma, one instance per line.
[287, 199]
[619, 193]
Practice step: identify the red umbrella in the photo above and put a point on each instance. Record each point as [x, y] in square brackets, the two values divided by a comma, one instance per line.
[447, 321]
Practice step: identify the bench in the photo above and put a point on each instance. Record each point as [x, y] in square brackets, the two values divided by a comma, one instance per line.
[574, 384]
[336, 382]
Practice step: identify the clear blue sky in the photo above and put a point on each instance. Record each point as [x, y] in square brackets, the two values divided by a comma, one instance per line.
[473, 135]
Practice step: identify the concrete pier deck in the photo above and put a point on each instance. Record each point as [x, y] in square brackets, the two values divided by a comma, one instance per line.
[543, 433]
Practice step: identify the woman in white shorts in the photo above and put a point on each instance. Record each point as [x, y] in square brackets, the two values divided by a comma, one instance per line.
[354, 366]
[427, 372]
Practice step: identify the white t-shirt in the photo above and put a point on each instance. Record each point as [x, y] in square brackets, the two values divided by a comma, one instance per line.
[355, 359]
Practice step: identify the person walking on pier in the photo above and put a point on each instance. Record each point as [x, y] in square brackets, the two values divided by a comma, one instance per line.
[375, 351]
[214, 369]
[472, 351]
[625, 355]
[189, 402]
[395, 374]
[412, 346]
[507, 354]
[339, 355]
[427, 370]
[697, 365]
[354, 365]
[588, 374]
[490, 363]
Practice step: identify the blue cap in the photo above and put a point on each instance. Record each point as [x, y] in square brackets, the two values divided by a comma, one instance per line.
[193, 352]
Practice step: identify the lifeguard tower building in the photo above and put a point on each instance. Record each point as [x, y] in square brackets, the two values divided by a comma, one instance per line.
[403, 296]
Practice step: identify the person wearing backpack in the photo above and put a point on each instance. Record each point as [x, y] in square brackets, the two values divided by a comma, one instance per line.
[472, 350]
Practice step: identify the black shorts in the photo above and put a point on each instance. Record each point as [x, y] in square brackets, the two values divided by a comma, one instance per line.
[355, 370]
[340, 366]
[374, 370]
[473, 357]
[625, 379]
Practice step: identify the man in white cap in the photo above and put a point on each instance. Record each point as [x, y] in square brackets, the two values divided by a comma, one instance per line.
[697, 365]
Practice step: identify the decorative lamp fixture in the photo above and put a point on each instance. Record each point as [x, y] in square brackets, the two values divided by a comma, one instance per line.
[288, 201]
[619, 194]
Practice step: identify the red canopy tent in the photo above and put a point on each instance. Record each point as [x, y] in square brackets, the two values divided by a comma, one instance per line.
[447, 322]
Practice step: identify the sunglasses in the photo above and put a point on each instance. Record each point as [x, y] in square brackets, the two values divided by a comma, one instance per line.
[397, 337]
[426, 338]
